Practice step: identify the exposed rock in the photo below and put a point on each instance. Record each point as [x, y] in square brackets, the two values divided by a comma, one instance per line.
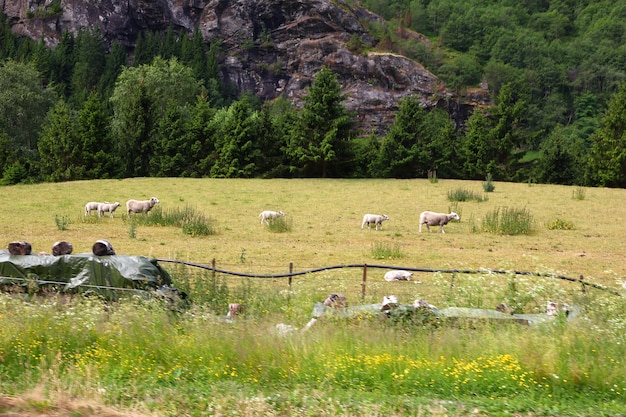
[271, 47]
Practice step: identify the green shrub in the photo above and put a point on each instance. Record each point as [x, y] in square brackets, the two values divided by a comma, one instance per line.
[508, 221]
[190, 220]
[560, 224]
[488, 185]
[462, 194]
[381, 250]
[132, 230]
[62, 222]
[280, 225]
[578, 193]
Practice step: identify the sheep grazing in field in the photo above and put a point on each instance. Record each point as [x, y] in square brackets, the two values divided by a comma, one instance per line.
[398, 275]
[108, 208]
[376, 219]
[93, 206]
[267, 215]
[143, 206]
[62, 248]
[436, 219]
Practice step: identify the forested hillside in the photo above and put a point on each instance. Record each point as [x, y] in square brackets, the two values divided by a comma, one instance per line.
[555, 71]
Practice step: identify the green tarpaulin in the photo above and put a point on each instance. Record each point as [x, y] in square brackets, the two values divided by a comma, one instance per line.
[84, 272]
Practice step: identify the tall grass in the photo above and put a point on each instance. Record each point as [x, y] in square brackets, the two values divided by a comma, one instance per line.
[151, 358]
[462, 194]
[508, 221]
[280, 225]
[189, 357]
[383, 250]
[62, 222]
[191, 221]
[488, 185]
[579, 193]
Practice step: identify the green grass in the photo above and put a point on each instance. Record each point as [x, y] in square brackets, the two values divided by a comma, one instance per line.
[141, 357]
[462, 194]
[280, 225]
[508, 221]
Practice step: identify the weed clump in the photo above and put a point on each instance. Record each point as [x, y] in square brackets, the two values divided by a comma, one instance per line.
[488, 185]
[462, 194]
[63, 222]
[560, 224]
[508, 221]
[280, 225]
[190, 220]
[578, 193]
[386, 251]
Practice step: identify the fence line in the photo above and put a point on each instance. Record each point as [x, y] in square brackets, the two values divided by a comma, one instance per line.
[365, 267]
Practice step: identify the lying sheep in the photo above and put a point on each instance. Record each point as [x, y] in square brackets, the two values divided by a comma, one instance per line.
[92, 206]
[398, 275]
[108, 207]
[377, 219]
[268, 214]
[436, 219]
[137, 206]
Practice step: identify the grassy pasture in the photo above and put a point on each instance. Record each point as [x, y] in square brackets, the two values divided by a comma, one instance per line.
[326, 224]
[139, 358]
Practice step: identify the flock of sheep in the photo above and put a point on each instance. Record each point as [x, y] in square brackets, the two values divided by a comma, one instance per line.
[132, 206]
[428, 218]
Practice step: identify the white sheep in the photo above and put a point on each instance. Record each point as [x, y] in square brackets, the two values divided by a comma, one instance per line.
[108, 208]
[376, 219]
[92, 206]
[436, 219]
[268, 214]
[143, 206]
[398, 275]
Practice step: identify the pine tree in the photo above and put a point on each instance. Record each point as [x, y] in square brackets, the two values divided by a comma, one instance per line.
[607, 159]
[320, 142]
[58, 145]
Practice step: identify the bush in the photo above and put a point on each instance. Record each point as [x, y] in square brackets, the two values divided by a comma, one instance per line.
[190, 220]
[508, 221]
[560, 224]
[386, 251]
[280, 225]
[461, 194]
[488, 185]
[62, 222]
[578, 193]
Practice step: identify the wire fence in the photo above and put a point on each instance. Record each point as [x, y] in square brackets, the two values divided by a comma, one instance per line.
[289, 275]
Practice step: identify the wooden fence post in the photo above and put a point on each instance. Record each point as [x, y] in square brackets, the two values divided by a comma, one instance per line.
[583, 284]
[290, 272]
[213, 266]
[364, 281]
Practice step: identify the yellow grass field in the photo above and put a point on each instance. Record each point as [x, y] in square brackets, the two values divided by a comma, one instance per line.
[326, 219]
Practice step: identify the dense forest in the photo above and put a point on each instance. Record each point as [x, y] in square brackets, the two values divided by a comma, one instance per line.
[556, 71]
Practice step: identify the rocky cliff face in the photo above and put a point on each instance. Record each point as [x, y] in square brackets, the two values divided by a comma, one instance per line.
[272, 47]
